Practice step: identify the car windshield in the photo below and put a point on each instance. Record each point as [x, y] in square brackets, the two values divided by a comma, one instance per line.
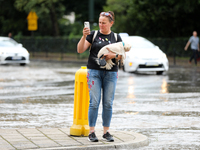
[140, 43]
[143, 44]
[8, 43]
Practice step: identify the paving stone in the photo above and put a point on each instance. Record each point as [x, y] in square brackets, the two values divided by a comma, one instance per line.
[51, 131]
[55, 134]
[63, 136]
[46, 143]
[38, 138]
[6, 148]
[58, 139]
[85, 141]
[24, 145]
[30, 131]
[15, 140]
[5, 145]
[8, 131]
[68, 143]
[39, 141]
[65, 130]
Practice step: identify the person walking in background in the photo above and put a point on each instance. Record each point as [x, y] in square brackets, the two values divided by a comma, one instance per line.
[194, 41]
[100, 79]
[10, 35]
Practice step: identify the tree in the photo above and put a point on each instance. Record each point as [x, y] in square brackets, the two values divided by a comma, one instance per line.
[11, 20]
[45, 9]
[81, 8]
[13, 14]
[156, 18]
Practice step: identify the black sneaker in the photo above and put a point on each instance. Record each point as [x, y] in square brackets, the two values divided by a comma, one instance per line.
[107, 137]
[92, 137]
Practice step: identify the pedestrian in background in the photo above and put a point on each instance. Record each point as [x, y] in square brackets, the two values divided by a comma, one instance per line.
[100, 79]
[194, 41]
[10, 35]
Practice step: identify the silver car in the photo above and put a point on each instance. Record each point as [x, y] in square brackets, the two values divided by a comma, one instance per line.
[12, 52]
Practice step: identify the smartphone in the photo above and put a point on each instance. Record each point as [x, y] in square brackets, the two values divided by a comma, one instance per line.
[87, 24]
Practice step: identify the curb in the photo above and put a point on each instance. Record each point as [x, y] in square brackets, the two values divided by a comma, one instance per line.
[139, 141]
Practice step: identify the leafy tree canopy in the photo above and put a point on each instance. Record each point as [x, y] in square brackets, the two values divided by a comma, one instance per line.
[148, 18]
[156, 18]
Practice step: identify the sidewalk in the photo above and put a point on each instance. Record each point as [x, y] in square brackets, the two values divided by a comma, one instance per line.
[59, 139]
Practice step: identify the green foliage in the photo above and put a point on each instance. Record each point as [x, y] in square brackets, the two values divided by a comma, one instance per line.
[148, 18]
[47, 11]
[13, 14]
[81, 8]
[155, 18]
[84, 55]
[119, 7]
[11, 20]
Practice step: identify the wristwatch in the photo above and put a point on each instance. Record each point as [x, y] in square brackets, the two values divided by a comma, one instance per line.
[116, 56]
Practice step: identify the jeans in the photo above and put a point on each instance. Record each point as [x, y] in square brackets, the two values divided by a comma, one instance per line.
[195, 55]
[105, 82]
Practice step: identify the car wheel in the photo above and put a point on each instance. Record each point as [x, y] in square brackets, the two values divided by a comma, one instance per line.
[22, 64]
[159, 72]
[123, 68]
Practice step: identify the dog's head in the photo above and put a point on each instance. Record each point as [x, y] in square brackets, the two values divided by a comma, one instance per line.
[127, 46]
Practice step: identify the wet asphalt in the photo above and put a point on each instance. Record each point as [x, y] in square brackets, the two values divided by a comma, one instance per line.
[166, 108]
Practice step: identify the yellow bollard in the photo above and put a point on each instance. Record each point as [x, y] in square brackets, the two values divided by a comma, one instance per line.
[80, 125]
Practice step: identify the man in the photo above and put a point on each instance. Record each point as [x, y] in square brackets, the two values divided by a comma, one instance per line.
[194, 40]
[10, 35]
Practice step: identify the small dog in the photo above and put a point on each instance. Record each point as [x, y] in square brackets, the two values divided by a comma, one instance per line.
[118, 48]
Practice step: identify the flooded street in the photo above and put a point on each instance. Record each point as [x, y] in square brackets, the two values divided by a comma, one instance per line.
[165, 108]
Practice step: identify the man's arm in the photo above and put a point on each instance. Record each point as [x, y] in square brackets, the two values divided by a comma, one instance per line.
[186, 47]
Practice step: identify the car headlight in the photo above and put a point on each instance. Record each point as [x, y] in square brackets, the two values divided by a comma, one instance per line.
[130, 64]
[25, 52]
[164, 55]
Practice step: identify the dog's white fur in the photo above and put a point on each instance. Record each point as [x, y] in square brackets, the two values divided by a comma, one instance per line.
[116, 48]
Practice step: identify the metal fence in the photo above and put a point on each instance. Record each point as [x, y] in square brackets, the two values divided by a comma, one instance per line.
[52, 47]
[66, 47]
[172, 47]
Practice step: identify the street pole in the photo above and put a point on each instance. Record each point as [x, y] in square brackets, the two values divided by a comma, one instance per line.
[174, 51]
[91, 13]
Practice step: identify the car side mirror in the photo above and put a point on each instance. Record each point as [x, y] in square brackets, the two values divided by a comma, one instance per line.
[20, 45]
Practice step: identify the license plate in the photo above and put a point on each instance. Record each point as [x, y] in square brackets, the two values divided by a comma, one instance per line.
[151, 64]
[16, 58]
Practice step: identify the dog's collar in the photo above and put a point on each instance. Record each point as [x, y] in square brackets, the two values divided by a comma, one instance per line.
[123, 43]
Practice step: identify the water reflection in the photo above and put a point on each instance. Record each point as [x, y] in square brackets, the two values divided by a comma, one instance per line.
[131, 89]
[26, 100]
[131, 92]
[132, 113]
[152, 84]
[164, 86]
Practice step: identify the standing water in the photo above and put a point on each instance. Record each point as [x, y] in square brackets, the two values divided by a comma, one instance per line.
[165, 108]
